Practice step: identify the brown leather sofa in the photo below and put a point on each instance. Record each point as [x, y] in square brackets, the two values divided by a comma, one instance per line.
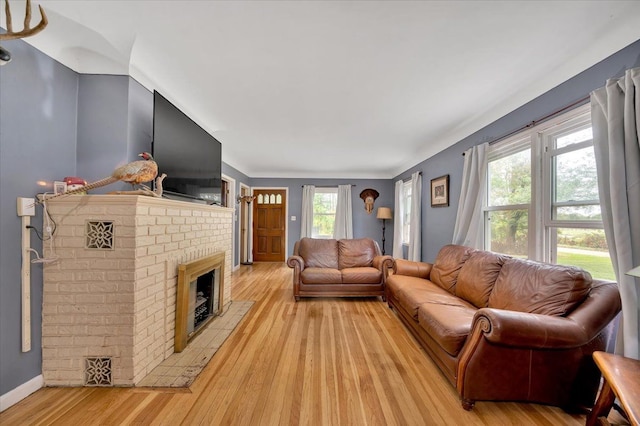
[506, 329]
[349, 267]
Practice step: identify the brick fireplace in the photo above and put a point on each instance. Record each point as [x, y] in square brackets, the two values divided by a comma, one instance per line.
[109, 302]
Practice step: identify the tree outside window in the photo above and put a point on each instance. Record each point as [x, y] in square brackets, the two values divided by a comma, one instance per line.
[324, 212]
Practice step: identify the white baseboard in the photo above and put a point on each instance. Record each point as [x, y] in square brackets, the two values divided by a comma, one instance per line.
[21, 392]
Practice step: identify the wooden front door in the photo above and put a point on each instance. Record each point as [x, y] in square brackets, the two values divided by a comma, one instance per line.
[269, 221]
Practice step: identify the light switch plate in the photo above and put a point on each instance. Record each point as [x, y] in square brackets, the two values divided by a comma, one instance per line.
[26, 206]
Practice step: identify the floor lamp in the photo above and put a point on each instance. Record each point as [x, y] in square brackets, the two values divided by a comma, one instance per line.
[384, 213]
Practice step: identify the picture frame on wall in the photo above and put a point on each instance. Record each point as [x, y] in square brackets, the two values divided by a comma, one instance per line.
[440, 191]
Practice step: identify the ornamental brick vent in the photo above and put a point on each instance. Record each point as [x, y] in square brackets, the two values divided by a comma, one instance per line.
[97, 372]
[99, 235]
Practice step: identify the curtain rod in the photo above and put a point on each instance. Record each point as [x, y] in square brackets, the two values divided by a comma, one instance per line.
[331, 186]
[409, 178]
[541, 120]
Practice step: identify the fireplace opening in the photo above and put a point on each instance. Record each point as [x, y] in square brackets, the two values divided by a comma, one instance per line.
[198, 298]
[204, 300]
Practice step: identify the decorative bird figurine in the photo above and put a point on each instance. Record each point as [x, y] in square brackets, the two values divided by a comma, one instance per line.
[135, 173]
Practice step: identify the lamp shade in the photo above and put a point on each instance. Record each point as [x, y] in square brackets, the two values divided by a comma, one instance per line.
[635, 272]
[384, 213]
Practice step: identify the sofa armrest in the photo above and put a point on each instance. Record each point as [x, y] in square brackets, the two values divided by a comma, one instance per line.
[380, 261]
[525, 330]
[295, 262]
[413, 269]
[384, 264]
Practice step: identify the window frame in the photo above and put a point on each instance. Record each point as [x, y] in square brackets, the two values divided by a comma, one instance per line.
[511, 146]
[580, 119]
[324, 190]
[541, 139]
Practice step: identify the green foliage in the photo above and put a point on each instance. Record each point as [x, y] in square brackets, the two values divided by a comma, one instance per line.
[510, 179]
[576, 176]
[324, 213]
[509, 232]
[589, 239]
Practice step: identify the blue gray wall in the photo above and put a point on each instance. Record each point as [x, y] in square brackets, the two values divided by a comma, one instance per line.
[438, 222]
[38, 110]
[139, 120]
[52, 119]
[115, 124]
[364, 225]
[240, 178]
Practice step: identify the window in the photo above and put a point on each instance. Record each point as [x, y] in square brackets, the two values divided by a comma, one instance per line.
[542, 196]
[406, 211]
[324, 212]
[509, 198]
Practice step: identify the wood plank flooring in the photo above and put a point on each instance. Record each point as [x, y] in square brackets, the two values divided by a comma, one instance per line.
[315, 362]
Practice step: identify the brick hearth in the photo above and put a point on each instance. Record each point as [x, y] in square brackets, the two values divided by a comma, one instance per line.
[109, 301]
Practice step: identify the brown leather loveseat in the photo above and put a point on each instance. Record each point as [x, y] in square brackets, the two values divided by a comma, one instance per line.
[349, 267]
[507, 329]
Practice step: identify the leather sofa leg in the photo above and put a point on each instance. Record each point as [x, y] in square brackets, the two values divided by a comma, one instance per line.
[468, 404]
[297, 298]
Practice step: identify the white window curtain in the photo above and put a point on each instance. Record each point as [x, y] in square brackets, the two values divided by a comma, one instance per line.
[397, 251]
[615, 116]
[343, 226]
[415, 231]
[469, 227]
[306, 216]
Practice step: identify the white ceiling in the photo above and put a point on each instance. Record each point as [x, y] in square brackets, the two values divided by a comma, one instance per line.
[343, 89]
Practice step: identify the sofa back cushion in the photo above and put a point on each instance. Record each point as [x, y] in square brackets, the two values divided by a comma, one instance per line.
[319, 253]
[539, 288]
[477, 277]
[447, 265]
[356, 253]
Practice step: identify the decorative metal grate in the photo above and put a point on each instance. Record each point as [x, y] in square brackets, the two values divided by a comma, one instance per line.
[99, 235]
[97, 372]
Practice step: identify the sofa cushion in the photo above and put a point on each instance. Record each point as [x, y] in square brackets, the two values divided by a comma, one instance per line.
[448, 325]
[539, 288]
[319, 253]
[361, 275]
[411, 292]
[355, 253]
[321, 276]
[447, 265]
[477, 277]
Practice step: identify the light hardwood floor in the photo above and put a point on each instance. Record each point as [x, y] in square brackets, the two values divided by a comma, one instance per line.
[315, 362]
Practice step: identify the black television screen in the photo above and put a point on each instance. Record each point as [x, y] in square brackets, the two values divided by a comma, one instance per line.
[190, 157]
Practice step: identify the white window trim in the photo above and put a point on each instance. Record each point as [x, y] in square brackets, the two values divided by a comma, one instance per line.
[540, 222]
[326, 190]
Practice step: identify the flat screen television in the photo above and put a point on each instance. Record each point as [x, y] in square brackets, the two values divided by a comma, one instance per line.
[190, 157]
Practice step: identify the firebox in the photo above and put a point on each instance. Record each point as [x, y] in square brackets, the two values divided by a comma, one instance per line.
[198, 296]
